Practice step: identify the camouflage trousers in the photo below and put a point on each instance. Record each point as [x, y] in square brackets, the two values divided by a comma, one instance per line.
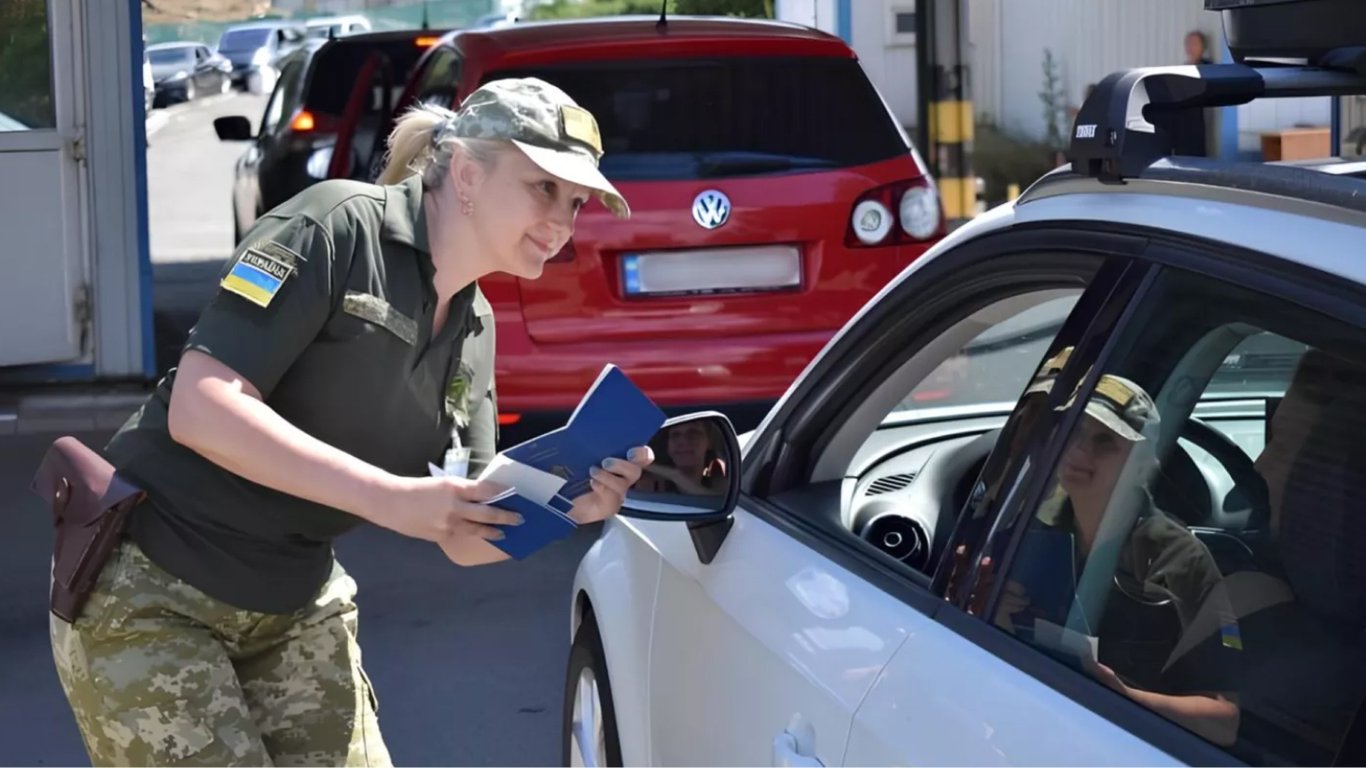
[158, 673]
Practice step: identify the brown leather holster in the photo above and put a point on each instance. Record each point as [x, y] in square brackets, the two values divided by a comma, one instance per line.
[90, 505]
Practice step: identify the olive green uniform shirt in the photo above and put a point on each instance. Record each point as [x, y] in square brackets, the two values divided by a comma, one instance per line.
[343, 349]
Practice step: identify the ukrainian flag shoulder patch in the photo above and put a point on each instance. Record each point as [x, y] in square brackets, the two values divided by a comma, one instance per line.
[258, 275]
[1230, 636]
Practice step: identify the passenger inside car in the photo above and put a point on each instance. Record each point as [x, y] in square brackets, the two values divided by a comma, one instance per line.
[689, 461]
[1148, 630]
[1163, 575]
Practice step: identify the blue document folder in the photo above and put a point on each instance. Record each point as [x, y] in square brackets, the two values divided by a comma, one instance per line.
[613, 417]
[1046, 567]
[542, 526]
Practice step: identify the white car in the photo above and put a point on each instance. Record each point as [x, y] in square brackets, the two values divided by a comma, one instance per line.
[1081, 487]
[336, 26]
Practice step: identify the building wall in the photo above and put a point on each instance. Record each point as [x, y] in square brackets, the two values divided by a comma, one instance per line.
[1089, 39]
[888, 58]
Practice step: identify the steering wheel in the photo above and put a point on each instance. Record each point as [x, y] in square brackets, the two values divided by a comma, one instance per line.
[1249, 496]
[1183, 492]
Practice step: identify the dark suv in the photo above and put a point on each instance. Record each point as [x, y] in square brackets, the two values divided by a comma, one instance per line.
[322, 118]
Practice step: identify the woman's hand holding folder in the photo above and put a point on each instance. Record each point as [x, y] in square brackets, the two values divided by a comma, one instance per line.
[610, 484]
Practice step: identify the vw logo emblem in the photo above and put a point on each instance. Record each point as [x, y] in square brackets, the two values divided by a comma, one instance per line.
[711, 209]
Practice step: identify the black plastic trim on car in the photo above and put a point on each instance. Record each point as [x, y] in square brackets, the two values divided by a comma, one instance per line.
[1312, 289]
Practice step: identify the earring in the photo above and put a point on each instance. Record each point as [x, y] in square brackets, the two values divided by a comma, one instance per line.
[466, 205]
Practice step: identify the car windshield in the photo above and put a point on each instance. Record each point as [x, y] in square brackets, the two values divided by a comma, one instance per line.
[337, 68]
[243, 39]
[169, 56]
[993, 368]
[670, 119]
[323, 30]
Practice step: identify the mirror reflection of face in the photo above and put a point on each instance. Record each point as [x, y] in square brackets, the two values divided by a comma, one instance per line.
[1092, 461]
[688, 446]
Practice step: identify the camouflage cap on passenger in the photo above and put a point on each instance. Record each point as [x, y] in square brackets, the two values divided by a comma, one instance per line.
[1123, 407]
[548, 126]
[1118, 403]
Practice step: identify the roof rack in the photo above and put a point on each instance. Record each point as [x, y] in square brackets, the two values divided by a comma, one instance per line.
[1121, 129]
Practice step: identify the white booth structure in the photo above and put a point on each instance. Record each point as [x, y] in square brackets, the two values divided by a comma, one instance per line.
[76, 291]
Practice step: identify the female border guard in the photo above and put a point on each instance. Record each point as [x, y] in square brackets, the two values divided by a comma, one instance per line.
[348, 338]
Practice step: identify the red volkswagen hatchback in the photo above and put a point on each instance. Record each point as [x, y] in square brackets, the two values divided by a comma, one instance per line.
[772, 195]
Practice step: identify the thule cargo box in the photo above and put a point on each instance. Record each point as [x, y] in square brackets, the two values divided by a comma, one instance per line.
[1293, 29]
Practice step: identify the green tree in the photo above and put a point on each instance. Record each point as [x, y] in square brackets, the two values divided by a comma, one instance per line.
[1054, 100]
[25, 63]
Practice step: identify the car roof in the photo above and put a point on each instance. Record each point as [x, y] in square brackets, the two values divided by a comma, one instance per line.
[318, 21]
[384, 36]
[265, 24]
[530, 36]
[179, 44]
[1312, 215]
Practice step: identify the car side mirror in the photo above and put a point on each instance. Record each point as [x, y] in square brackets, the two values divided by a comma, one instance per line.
[232, 128]
[695, 479]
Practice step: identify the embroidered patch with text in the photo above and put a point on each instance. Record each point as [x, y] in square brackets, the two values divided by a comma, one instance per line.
[260, 272]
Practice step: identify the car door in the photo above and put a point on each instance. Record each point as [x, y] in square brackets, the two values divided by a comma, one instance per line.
[276, 164]
[1164, 652]
[203, 72]
[247, 193]
[764, 647]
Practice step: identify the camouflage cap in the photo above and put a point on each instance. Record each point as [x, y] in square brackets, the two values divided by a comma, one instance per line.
[549, 127]
[1124, 408]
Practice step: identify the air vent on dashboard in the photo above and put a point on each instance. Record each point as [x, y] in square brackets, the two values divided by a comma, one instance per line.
[889, 483]
[900, 537]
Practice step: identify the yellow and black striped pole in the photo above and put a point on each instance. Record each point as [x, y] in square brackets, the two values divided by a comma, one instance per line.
[945, 102]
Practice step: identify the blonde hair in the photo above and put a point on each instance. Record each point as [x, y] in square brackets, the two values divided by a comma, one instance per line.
[422, 142]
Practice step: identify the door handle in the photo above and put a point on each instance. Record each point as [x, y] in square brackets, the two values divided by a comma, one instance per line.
[787, 753]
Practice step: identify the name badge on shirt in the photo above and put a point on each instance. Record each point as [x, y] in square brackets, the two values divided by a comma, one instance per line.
[259, 273]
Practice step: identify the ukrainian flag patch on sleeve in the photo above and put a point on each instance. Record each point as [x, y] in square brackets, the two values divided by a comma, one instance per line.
[259, 273]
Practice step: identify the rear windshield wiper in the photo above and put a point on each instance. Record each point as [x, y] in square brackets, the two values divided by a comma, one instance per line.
[749, 164]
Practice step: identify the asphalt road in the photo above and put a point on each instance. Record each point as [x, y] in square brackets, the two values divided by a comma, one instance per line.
[468, 664]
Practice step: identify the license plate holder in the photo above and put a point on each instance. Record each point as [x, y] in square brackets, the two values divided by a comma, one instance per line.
[745, 269]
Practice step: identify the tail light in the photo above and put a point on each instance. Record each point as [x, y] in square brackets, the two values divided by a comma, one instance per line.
[313, 134]
[902, 213]
[303, 122]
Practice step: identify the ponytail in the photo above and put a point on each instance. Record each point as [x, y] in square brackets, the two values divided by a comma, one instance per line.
[423, 141]
[410, 143]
